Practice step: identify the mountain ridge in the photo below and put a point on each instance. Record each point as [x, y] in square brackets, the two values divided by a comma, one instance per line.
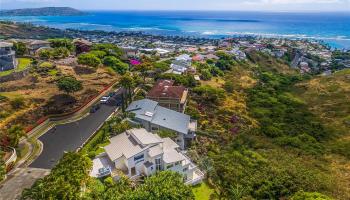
[43, 11]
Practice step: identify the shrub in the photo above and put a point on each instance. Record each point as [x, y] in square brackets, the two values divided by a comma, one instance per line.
[89, 59]
[69, 84]
[17, 103]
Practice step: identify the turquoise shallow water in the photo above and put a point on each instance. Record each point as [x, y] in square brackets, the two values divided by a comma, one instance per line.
[333, 28]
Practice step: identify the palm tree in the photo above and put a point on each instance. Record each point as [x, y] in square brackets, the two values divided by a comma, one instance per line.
[127, 81]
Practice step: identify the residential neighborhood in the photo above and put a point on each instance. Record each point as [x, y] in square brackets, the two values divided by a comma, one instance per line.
[130, 108]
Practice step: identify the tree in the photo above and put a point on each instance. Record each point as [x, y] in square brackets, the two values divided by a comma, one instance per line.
[20, 48]
[164, 185]
[206, 75]
[301, 195]
[69, 84]
[14, 135]
[116, 64]
[45, 54]
[109, 49]
[17, 103]
[99, 54]
[127, 81]
[229, 86]
[62, 43]
[60, 52]
[89, 59]
[2, 169]
[209, 94]
[143, 69]
[65, 181]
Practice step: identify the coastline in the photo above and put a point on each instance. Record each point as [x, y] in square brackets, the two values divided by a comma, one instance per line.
[218, 25]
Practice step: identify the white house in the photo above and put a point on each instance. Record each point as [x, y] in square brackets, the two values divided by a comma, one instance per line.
[138, 152]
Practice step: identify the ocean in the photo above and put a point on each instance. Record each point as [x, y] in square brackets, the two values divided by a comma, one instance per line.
[332, 28]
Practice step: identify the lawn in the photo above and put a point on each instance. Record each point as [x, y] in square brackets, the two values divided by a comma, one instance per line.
[203, 191]
[23, 63]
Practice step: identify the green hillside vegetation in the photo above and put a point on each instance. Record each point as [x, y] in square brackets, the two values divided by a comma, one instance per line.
[261, 140]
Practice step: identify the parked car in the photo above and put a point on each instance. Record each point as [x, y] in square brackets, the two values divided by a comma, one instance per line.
[95, 108]
[111, 94]
[105, 99]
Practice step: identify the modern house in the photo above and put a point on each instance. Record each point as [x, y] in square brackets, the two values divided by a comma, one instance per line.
[7, 57]
[168, 95]
[138, 152]
[154, 117]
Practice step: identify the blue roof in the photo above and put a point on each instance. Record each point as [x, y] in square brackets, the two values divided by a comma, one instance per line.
[150, 111]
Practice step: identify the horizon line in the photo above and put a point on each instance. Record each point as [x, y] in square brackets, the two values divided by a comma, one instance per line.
[191, 10]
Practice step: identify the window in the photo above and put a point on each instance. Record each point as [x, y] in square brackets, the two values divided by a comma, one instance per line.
[158, 164]
[139, 158]
[154, 128]
[185, 169]
[178, 163]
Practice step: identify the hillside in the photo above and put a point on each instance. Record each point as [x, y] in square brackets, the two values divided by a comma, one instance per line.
[45, 11]
[27, 31]
[275, 132]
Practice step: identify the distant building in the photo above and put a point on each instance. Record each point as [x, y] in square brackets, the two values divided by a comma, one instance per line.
[198, 58]
[129, 52]
[82, 46]
[184, 58]
[138, 152]
[154, 117]
[211, 57]
[180, 66]
[168, 95]
[7, 57]
[35, 46]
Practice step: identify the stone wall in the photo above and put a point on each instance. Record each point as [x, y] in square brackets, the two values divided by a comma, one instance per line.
[15, 76]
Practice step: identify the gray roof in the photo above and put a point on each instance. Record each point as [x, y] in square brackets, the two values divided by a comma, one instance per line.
[149, 110]
[122, 145]
[130, 143]
[141, 107]
[144, 137]
[5, 44]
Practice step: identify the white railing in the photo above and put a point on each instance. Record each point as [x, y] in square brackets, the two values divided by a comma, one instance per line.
[12, 158]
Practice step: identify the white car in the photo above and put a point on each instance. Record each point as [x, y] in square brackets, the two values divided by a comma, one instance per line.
[104, 99]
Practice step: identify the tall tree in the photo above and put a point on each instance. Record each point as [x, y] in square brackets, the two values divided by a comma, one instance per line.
[127, 81]
[20, 48]
[14, 135]
[164, 185]
[66, 180]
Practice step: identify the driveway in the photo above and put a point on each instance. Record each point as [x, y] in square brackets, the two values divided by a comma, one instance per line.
[20, 179]
[69, 137]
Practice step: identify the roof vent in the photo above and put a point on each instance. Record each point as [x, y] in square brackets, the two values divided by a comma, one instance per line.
[149, 114]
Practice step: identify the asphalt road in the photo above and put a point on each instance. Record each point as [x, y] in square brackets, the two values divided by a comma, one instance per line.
[69, 137]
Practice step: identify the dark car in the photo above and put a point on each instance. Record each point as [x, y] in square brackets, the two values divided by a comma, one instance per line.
[111, 94]
[95, 108]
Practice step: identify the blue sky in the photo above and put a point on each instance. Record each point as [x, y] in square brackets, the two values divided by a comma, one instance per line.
[256, 5]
